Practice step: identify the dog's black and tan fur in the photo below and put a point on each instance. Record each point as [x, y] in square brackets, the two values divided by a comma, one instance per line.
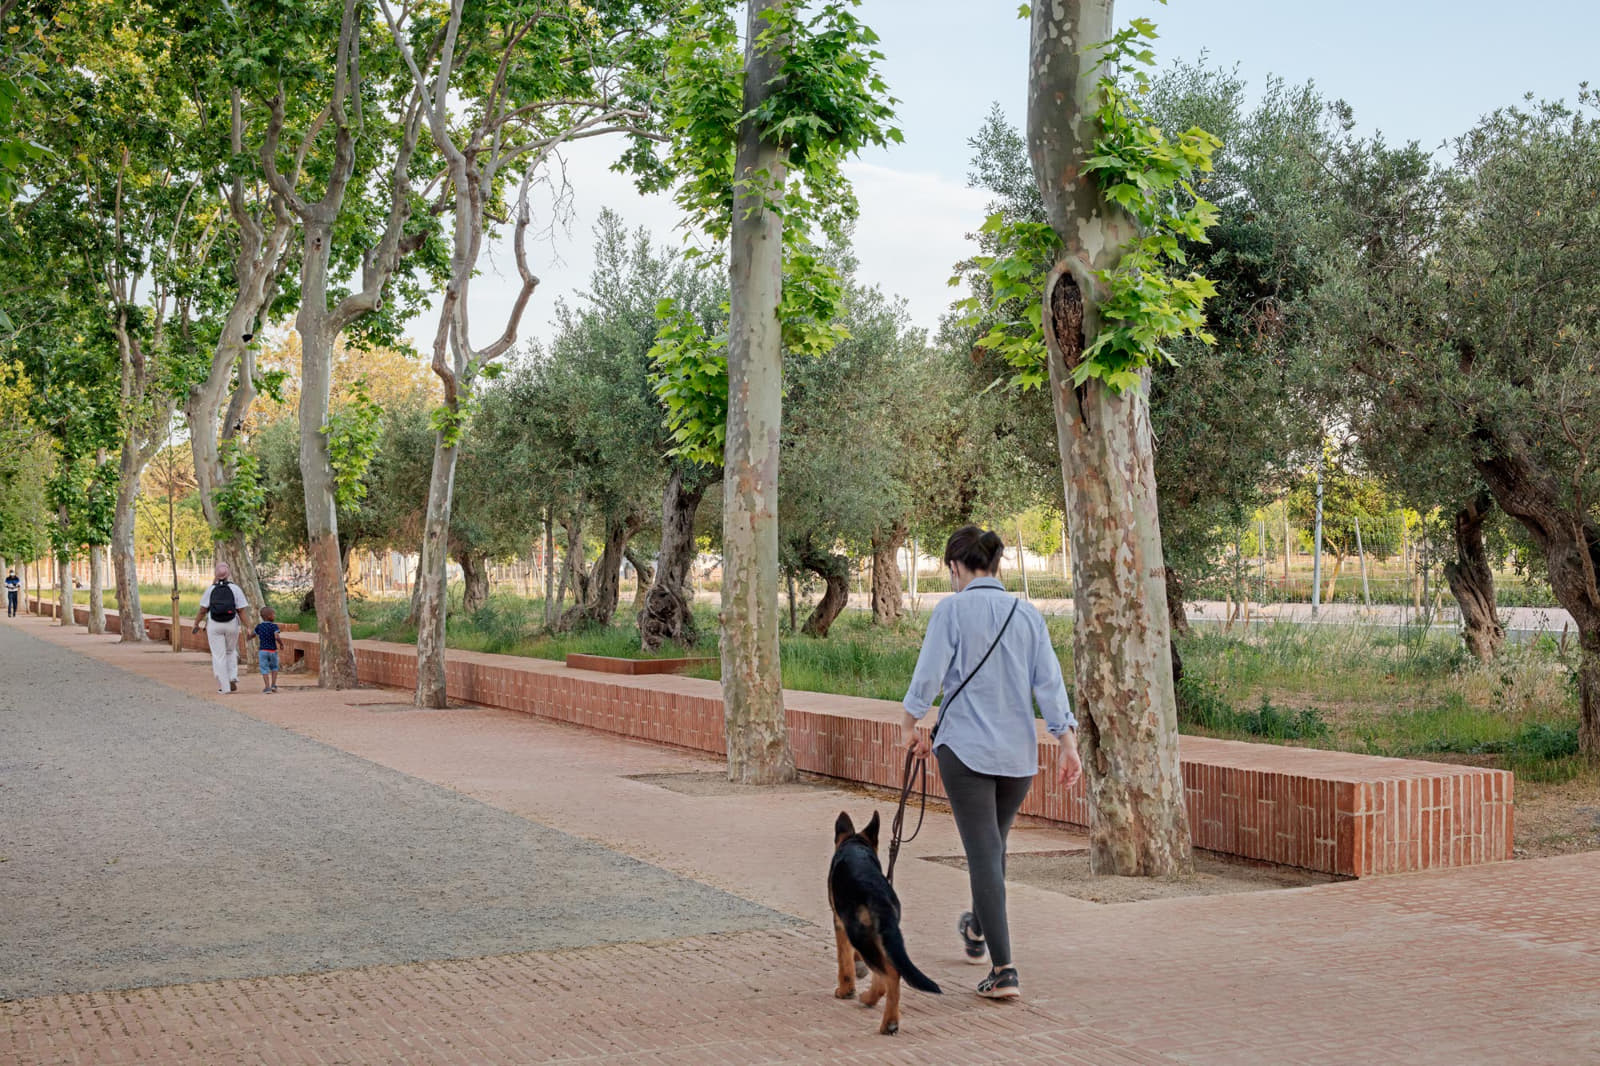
[866, 922]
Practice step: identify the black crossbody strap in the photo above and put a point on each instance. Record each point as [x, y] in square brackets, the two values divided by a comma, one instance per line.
[944, 705]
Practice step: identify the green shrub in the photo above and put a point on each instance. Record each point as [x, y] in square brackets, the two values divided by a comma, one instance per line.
[1201, 704]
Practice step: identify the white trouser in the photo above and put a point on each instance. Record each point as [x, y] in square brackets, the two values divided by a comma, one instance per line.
[224, 640]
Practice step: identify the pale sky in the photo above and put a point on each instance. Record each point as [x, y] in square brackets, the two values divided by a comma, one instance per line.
[1421, 70]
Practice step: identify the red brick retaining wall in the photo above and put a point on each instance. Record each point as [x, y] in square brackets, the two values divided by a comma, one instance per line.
[1334, 812]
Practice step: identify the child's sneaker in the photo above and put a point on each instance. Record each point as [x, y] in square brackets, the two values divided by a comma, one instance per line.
[971, 942]
[1001, 984]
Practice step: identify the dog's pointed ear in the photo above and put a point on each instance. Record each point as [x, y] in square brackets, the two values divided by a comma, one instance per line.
[842, 828]
[871, 831]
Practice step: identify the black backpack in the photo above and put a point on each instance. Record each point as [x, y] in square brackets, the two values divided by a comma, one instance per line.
[221, 607]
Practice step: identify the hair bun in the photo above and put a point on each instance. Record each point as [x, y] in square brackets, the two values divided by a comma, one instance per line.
[993, 546]
[976, 549]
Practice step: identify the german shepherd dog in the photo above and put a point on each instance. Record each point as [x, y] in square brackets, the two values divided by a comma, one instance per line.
[866, 922]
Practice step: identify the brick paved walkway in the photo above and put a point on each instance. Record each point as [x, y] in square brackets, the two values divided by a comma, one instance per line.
[1495, 964]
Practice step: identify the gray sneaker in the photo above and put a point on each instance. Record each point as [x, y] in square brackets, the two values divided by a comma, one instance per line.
[971, 941]
[1001, 984]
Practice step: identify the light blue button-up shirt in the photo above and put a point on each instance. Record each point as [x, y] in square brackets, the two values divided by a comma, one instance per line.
[990, 726]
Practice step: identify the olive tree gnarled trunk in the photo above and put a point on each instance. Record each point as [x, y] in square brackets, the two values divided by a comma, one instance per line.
[644, 576]
[752, 680]
[474, 580]
[668, 613]
[603, 589]
[1472, 580]
[1122, 649]
[1570, 542]
[835, 573]
[886, 595]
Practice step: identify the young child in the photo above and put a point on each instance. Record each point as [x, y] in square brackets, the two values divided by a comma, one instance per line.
[266, 633]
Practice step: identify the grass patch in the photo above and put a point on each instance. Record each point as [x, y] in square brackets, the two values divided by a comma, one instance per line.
[1201, 705]
[1406, 693]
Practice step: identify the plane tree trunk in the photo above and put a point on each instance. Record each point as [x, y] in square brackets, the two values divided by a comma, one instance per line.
[1122, 647]
[261, 259]
[430, 599]
[320, 322]
[752, 681]
[97, 589]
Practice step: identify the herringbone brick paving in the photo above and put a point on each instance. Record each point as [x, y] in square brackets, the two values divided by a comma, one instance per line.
[1494, 964]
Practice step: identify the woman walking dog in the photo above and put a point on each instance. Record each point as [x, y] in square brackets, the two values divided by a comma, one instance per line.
[992, 653]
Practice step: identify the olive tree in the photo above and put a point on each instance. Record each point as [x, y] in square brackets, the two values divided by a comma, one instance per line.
[1467, 307]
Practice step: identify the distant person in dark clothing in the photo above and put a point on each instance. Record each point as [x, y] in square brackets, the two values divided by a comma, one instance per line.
[266, 634]
[13, 586]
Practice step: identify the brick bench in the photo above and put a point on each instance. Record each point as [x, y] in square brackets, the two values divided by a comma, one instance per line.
[1334, 812]
[157, 627]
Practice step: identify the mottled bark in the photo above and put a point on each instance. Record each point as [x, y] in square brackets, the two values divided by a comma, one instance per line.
[63, 574]
[335, 646]
[834, 570]
[430, 602]
[752, 682]
[261, 256]
[1125, 697]
[97, 590]
[886, 595]
[320, 322]
[1472, 581]
[124, 564]
[1570, 542]
[668, 613]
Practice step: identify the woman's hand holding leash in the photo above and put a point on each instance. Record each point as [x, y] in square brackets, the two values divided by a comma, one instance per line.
[1069, 766]
[914, 739]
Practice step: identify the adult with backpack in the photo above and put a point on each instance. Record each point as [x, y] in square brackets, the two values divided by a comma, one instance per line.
[226, 613]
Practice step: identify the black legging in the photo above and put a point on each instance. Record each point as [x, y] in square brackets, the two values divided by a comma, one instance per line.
[984, 807]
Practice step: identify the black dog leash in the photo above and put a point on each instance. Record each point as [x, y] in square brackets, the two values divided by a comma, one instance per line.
[919, 764]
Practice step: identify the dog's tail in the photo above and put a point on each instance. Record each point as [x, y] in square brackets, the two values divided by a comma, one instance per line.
[895, 946]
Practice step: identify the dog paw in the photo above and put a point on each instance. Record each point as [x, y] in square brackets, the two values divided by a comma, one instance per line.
[889, 1028]
[844, 992]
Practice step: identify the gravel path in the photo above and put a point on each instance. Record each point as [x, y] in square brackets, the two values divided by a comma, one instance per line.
[147, 837]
